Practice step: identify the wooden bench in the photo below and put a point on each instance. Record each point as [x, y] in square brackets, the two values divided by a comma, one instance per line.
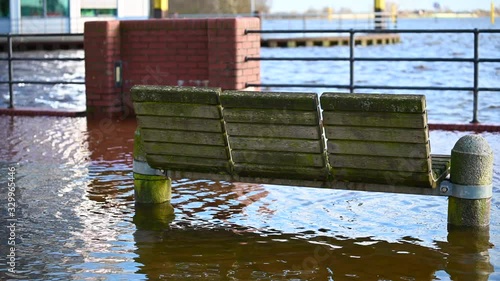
[368, 142]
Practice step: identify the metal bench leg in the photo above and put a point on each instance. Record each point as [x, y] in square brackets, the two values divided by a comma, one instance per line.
[151, 186]
[471, 176]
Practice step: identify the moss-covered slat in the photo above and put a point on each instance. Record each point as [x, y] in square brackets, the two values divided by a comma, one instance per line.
[270, 144]
[373, 102]
[273, 131]
[187, 137]
[383, 177]
[193, 164]
[375, 119]
[270, 100]
[177, 110]
[377, 134]
[380, 163]
[278, 159]
[174, 94]
[180, 123]
[285, 172]
[203, 151]
[271, 116]
[374, 148]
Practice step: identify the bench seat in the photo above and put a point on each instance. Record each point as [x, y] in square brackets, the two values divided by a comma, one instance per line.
[352, 141]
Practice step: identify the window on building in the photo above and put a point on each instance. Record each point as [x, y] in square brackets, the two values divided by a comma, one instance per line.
[57, 8]
[99, 12]
[4, 8]
[42, 8]
[32, 8]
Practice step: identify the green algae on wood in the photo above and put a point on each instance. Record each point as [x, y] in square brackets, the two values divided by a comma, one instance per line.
[373, 102]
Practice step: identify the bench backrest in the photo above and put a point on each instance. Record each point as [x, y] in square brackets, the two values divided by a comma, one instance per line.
[275, 135]
[378, 138]
[182, 128]
[280, 138]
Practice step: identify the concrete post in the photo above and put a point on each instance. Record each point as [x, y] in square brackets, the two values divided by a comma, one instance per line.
[149, 185]
[472, 171]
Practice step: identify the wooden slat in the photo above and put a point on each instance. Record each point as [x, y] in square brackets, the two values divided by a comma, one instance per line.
[373, 102]
[173, 94]
[375, 119]
[276, 131]
[380, 163]
[383, 177]
[178, 123]
[270, 100]
[271, 116]
[183, 137]
[203, 151]
[370, 148]
[177, 110]
[377, 134]
[195, 164]
[278, 159]
[248, 170]
[270, 144]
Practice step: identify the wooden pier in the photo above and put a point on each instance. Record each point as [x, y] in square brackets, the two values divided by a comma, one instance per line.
[76, 42]
[360, 40]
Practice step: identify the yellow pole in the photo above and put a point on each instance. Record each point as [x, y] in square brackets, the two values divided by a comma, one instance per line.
[160, 8]
[330, 14]
[492, 12]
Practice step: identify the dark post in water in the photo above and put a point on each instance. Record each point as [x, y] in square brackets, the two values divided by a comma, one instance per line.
[379, 17]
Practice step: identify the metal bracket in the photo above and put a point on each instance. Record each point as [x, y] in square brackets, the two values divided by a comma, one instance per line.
[144, 169]
[473, 192]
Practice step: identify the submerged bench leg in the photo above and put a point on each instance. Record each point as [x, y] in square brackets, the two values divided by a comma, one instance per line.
[472, 174]
[150, 186]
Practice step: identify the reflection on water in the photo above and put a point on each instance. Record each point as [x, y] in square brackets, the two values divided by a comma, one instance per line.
[78, 220]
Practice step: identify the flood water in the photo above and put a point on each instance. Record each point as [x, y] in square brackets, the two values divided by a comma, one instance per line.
[76, 217]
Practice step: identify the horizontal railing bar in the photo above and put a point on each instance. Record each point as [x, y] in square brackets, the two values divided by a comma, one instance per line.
[43, 35]
[434, 88]
[488, 60]
[43, 59]
[486, 89]
[44, 82]
[372, 31]
[299, 85]
[362, 59]
[295, 59]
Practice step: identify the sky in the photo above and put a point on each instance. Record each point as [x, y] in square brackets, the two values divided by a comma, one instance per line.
[367, 5]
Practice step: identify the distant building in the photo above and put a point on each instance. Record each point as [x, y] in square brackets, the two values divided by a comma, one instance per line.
[65, 16]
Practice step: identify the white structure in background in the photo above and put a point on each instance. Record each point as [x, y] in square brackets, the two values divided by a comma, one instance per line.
[65, 16]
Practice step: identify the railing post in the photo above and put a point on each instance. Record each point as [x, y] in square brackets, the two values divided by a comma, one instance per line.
[11, 70]
[351, 60]
[476, 76]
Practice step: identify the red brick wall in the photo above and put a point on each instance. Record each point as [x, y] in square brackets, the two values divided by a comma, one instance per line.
[189, 52]
[102, 49]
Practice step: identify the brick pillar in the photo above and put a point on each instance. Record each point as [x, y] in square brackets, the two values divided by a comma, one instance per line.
[102, 50]
[228, 45]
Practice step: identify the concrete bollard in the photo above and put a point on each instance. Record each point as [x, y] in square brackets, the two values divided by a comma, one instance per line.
[471, 175]
[150, 186]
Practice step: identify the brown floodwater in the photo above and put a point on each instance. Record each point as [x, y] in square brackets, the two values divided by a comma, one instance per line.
[76, 219]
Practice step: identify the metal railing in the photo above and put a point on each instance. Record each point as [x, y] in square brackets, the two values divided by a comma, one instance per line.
[10, 58]
[352, 58]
